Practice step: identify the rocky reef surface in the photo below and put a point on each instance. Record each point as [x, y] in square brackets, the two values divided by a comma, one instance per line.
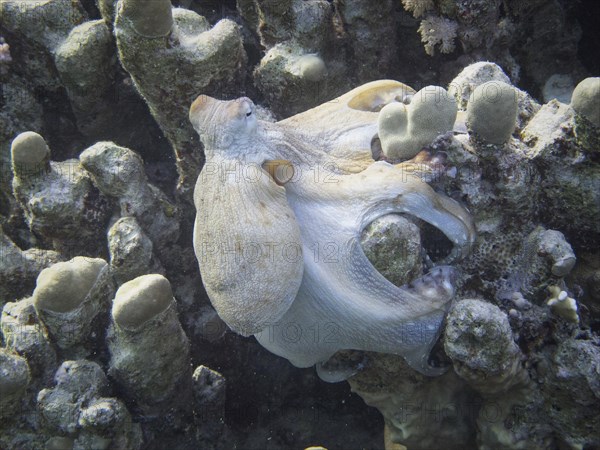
[490, 151]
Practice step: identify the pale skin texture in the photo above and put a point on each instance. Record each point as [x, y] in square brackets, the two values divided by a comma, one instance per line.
[338, 299]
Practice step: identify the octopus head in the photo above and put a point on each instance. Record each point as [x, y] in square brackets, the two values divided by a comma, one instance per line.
[224, 126]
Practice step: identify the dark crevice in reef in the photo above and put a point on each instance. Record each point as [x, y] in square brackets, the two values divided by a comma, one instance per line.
[273, 398]
[588, 15]
[91, 8]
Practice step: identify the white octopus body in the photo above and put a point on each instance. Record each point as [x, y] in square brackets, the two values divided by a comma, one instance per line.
[338, 299]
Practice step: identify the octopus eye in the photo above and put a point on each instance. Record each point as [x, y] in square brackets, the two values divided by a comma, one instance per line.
[249, 113]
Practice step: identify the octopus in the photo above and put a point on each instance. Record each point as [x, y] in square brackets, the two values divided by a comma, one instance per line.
[280, 208]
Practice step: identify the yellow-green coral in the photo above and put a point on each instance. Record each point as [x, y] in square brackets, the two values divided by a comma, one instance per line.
[492, 112]
[562, 305]
[405, 129]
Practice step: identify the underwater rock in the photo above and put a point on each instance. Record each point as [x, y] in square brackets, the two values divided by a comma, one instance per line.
[130, 251]
[419, 411]
[179, 59]
[209, 390]
[496, 364]
[292, 80]
[521, 262]
[209, 403]
[298, 37]
[462, 87]
[554, 246]
[472, 76]
[479, 340]
[548, 40]
[19, 269]
[77, 383]
[307, 23]
[69, 297]
[40, 28]
[106, 423]
[148, 348]
[107, 10]
[393, 245]
[14, 379]
[367, 25]
[24, 334]
[149, 20]
[78, 407]
[20, 111]
[572, 390]
[119, 173]
[586, 274]
[571, 186]
[49, 191]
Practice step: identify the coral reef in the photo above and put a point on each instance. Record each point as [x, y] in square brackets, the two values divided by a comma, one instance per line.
[143, 316]
[130, 251]
[85, 63]
[206, 59]
[47, 191]
[585, 100]
[347, 220]
[119, 174]
[77, 407]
